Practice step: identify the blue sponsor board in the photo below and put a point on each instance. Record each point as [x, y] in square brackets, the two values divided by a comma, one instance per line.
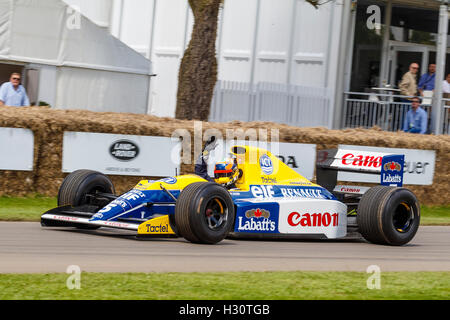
[392, 170]
[257, 217]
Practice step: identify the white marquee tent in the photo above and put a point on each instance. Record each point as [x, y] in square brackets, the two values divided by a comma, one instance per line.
[77, 64]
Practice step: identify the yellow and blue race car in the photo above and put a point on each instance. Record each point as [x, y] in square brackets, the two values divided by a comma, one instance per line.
[252, 194]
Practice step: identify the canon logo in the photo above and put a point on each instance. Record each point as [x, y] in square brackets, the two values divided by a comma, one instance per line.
[361, 160]
[348, 189]
[325, 219]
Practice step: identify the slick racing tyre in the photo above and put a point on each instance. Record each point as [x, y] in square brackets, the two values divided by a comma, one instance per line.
[77, 185]
[204, 213]
[388, 215]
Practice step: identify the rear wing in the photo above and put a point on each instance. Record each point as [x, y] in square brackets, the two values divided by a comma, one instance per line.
[331, 161]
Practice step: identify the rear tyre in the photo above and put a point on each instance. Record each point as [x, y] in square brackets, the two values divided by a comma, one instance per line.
[204, 213]
[78, 185]
[388, 215]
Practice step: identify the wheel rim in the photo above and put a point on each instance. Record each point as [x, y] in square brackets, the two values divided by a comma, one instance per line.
[403, 218]
[216, 213]
[87, 198]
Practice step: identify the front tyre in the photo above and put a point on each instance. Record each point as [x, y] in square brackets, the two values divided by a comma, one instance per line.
[79, 185]
[79, 188]
[204, 213]
[388, 215]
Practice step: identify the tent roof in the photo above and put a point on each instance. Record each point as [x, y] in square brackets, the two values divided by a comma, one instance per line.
[51, 32]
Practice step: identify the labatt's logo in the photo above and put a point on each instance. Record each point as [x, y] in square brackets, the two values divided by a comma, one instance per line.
[325, 219]
[258, 220]
[391, 173]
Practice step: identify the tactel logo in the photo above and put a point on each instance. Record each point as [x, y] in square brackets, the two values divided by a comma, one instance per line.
[161, 228]
[266, 164]
[124, 150]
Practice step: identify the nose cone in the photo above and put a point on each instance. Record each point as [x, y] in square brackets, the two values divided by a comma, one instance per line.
[125, 203]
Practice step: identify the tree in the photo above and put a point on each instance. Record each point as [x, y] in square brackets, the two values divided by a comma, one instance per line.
[315, 3]
[198, 70]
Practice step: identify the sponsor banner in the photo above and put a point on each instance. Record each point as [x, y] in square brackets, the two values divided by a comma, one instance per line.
[115, 154]
[257, 218]
[300, 157]
[17, 149]
[325, 217]
[418, 168]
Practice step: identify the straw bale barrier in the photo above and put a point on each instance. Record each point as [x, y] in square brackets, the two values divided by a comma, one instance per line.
[48, 126]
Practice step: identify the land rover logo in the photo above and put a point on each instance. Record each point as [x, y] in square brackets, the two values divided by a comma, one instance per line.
[124, 150]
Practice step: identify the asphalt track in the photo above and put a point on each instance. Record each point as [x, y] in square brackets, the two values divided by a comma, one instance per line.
[29, 248]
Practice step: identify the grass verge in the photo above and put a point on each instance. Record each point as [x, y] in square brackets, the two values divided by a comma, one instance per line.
[25, 209]
[227, 286]
[435, 215]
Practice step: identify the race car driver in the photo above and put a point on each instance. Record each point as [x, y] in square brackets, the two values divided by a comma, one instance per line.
[226, 172]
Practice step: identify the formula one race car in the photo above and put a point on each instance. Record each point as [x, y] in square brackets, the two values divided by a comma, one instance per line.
[251, 194]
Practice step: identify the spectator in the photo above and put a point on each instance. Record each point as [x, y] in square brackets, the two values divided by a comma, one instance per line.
[446, 84]
[426, 81]
[416, 118]
[13, 93]
[446, 96]
[408, 84]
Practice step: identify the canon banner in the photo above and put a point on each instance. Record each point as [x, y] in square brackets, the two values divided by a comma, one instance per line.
[418, 165]
[121, 154]
[17, 149]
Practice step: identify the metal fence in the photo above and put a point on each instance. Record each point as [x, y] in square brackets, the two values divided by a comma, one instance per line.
[446, 118]
[384, 110]
[293, 105]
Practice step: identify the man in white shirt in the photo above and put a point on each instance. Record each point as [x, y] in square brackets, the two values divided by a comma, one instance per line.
[12, 93]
